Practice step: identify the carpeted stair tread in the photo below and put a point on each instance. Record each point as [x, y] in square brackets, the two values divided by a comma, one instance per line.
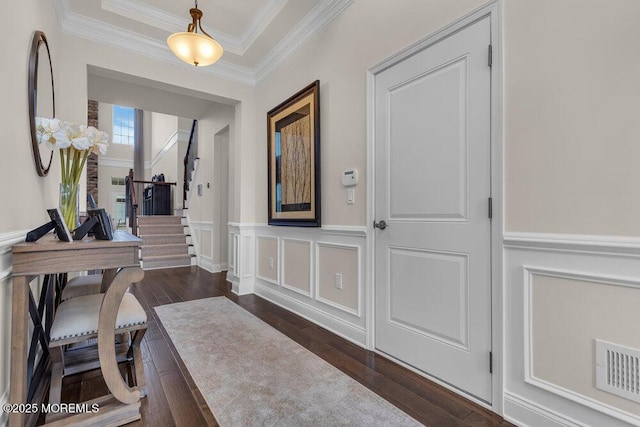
[166, 261]
[159, 220]
[165, 249]
[164, 239]
[164, 242]
[145, 230]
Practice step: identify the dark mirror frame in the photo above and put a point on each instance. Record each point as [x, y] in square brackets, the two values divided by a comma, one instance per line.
[38, 40]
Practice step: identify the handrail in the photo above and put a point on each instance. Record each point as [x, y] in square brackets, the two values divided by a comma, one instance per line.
[155, 182]
[132, 203]
[185, 182]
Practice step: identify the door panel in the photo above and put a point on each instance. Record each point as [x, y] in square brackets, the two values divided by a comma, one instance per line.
[437, 308]
[428, 154]
[432, 184]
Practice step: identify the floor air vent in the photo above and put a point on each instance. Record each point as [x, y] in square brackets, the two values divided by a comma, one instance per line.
[618, 370]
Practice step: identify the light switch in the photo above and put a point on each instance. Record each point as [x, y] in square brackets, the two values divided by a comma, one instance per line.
[351, 196]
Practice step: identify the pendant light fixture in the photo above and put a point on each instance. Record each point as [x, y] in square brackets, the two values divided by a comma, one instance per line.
[193, 47]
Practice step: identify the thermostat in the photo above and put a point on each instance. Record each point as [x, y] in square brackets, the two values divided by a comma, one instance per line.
[349, 177]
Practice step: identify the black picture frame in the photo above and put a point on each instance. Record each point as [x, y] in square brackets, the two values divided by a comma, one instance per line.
[62, 231]
[293, 129]
[103, 230]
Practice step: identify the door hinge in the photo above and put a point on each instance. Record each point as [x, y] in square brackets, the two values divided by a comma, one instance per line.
[491, 362]
[490, 56]
[490, 207]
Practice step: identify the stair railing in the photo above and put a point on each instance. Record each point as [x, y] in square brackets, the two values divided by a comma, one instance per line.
[131, 203]
[189, 161]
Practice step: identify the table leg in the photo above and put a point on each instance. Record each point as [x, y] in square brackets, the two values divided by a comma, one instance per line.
[106, 334]
[19, 346]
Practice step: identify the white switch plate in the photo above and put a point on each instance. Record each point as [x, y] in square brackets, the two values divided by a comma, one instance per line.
[271, 263]
[338, 281]
[351, 196]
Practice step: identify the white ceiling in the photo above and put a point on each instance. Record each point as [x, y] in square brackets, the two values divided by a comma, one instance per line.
[257, 35]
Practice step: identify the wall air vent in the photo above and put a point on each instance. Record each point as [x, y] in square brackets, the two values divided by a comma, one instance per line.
[618, 370]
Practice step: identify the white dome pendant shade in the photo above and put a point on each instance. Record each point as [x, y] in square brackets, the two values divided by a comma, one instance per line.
[199, 49]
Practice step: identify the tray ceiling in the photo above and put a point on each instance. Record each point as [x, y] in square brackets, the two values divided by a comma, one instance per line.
[257, 35]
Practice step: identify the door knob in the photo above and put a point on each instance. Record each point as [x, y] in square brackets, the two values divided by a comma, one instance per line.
[381, 225]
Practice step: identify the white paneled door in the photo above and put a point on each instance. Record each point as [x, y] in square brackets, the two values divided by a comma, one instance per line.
[432, 189]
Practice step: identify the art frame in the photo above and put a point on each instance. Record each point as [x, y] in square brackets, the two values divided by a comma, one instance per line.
[293, 130]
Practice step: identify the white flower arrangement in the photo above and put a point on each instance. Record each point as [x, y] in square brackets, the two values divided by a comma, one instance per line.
[75, 142]
[60, 134]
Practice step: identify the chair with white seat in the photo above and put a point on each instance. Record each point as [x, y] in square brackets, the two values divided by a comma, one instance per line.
[77, 320]
[82, 285]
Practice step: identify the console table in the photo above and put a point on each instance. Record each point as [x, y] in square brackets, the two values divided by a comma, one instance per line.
[49, 256]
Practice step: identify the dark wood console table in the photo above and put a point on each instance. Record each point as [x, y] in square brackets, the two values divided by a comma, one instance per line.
[51, 257]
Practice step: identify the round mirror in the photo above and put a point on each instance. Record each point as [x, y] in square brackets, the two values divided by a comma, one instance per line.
[41, 98]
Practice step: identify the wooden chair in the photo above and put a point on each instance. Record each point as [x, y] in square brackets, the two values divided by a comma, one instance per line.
[80, 318]
[82, 285]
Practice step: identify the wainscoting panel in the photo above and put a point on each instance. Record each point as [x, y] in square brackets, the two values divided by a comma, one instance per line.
[297, 274]
[561, 294]
[267, 259]
[302, 259]
[338, 280]
[202, 233]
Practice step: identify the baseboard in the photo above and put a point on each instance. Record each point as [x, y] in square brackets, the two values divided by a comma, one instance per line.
[523, 412]
[346, 330]
[207, 264]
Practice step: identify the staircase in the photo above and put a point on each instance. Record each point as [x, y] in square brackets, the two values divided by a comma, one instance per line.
[164, 242]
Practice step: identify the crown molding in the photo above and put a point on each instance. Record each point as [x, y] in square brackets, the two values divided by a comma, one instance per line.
[100, 32]
[308, 27]
[260, 22]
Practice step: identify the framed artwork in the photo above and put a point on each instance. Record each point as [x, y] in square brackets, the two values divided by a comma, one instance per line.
[293, 129]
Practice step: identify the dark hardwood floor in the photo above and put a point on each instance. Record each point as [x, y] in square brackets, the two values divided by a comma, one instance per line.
[174, 400]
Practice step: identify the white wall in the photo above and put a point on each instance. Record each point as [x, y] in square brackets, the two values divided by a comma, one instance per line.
[163, 126]
[571, 117]
[18, 21]
[205, 211]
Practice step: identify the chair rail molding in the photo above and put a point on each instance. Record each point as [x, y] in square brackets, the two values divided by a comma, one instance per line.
[577, 243]
[7, 240]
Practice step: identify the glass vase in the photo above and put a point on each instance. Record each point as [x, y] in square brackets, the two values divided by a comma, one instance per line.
[70, 205]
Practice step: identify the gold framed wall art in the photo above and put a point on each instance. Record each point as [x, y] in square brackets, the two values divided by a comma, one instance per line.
[294, 159]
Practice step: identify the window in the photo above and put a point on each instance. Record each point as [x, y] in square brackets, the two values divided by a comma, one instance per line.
[124, 125]
[117, 180]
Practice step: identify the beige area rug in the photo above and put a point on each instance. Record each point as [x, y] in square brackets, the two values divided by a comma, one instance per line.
[252, 375]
